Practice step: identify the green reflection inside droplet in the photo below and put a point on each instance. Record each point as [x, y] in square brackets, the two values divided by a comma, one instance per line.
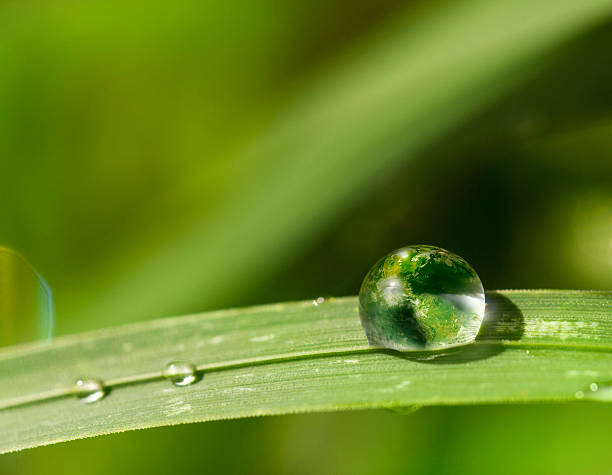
[26, 301]
[421, 298]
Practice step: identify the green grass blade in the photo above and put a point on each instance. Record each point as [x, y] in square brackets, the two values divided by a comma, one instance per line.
[535, 346]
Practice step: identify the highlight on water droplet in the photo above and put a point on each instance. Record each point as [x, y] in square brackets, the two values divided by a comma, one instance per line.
[421, 298]
[89, 390]
[26, 301]
[181, 373]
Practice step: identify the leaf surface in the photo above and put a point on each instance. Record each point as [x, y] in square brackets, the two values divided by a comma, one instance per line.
[534, 346]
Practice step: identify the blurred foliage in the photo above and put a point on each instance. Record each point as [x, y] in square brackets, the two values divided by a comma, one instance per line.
[123, 130]
[26, 301]
[483, 439]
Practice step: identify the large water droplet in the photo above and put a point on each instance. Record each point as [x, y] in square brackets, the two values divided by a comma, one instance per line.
[421, 297]
[89, 390]
[181, 373]
[26, 301]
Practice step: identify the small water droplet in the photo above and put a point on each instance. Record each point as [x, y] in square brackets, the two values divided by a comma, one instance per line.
[318, 301]
[26, 301]
[89, 390]
[406, 410]
[432, 356]
[421, 297]
[601, 391]
[579, 394]
[181, 373]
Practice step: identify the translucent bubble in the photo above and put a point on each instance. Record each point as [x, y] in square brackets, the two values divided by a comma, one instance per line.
[26, 301]
[421, 298]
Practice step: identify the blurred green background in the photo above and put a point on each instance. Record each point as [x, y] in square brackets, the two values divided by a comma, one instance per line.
[159, 158]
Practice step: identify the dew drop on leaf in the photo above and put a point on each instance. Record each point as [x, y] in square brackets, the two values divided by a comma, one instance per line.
[26, 301]
[600, 391]
[89, 390]
[181, 373]
[405, 410]
[421, 298]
